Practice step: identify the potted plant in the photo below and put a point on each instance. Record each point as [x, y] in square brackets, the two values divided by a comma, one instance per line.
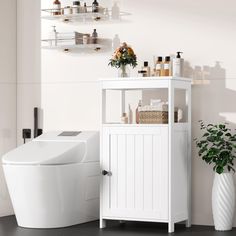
[122, 57]
[217, 146]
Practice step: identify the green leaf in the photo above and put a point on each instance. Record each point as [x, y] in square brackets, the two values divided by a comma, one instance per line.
[219, 169]
[221, 126]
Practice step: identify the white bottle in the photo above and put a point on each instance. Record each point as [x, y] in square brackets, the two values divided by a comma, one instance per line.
[178, 66]
[53, 37]
[130, 115]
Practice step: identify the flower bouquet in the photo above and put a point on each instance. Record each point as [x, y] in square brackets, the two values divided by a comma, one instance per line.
[122, 57]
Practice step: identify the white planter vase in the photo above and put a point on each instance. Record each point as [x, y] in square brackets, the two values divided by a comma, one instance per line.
[223, 201]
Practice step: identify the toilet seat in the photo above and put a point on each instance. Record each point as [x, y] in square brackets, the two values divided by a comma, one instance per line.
[45, 153]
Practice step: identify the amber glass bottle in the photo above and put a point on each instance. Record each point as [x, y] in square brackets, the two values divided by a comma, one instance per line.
[166, 70]
[56, 8]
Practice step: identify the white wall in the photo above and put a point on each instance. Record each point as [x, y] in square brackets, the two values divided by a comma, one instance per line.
[204, 30]
[28, 63]
[7, 91]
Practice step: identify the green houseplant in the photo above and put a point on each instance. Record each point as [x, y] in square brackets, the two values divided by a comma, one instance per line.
[217, 146]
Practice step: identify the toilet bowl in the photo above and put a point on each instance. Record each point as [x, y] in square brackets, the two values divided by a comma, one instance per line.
[53, 180]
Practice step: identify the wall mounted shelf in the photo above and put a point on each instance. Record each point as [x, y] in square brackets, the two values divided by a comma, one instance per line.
[83, 17]
[67, 44]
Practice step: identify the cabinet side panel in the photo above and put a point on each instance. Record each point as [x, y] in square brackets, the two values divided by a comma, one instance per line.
[179, 175]
[160, 173]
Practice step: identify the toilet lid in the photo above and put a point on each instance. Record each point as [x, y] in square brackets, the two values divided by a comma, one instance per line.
[45, 153]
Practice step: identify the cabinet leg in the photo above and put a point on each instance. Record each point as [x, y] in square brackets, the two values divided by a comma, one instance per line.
[171, 227]
[188, 223]
[102, 223]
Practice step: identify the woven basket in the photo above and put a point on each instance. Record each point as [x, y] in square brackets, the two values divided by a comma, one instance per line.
[155, 117]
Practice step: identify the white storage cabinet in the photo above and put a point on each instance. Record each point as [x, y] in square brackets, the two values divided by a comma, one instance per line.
[146, 168]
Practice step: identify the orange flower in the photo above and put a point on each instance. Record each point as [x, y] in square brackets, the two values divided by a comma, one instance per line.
[130, 51]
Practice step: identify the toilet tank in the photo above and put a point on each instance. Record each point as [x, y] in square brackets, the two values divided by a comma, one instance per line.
[88, 139]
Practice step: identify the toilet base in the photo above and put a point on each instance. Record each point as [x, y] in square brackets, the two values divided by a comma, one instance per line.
[54, 196]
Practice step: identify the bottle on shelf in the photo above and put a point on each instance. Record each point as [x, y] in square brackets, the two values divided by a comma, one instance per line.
[94, 36]
[124, 118]
[147, 69]
[76, 7]
[137, 111]
[130, 115]
[95, 6]
[166, 69]
[115, 11]
[106, 13]
[83, 9]
[178, 65]
[56, 8]
[53, 37]
[159, 65]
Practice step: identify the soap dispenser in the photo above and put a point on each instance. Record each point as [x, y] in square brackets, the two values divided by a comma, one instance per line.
[178, 65]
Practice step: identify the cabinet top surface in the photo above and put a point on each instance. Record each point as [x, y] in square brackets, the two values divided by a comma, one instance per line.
[131, 83]
[146, 79]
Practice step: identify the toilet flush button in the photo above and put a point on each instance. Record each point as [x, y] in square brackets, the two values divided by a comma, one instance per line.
[70, 133]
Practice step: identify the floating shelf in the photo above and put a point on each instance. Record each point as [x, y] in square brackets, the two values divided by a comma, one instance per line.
[83, 17]
[67, 43]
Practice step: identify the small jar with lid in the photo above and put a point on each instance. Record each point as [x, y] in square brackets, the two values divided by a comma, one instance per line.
[124, 118]
[76, 7]
[67, 10]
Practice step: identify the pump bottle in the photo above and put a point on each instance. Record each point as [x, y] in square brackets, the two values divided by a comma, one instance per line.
[178, 65]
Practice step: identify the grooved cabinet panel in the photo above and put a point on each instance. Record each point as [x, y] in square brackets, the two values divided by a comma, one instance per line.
[138, 162]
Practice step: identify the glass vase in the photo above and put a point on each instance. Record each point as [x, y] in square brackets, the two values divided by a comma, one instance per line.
[124, 71]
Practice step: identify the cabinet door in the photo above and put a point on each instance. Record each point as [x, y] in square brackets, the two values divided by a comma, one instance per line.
[138, 161]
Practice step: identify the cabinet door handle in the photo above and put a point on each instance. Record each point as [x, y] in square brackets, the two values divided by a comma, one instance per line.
[108, 173]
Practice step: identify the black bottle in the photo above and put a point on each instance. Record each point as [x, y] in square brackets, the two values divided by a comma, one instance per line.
[94, 36]
[95, 6]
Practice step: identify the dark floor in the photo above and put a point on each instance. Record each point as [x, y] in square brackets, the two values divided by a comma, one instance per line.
[8, 227]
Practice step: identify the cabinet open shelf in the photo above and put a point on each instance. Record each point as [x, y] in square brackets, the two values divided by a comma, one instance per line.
[132, 125]
[180, 125]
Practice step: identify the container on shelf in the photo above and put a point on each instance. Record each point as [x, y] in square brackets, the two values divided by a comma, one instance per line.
[76, 7]
[56, 8]
[67, 10]
[155, 117]
[80, 13]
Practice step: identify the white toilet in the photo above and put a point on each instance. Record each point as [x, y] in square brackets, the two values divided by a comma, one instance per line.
[53, 180]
